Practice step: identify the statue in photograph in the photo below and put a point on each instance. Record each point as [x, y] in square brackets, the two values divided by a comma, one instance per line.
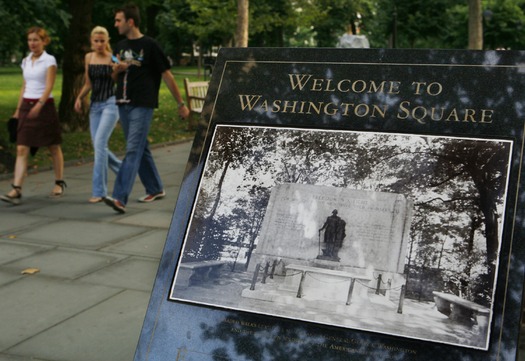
[334, 233]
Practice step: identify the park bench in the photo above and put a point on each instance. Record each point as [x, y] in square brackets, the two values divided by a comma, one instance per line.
[460, 309]
[191, 273]
[195, 95]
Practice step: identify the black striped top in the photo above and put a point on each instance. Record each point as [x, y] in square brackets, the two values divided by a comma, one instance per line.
[102, 85]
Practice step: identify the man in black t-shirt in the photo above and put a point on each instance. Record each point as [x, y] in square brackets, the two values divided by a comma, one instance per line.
[138, 72]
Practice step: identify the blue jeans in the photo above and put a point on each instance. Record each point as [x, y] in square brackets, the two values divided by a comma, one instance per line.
[135, 124]
[103, 117]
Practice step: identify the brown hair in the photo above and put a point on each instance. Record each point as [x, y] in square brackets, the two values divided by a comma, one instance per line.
[41, 32]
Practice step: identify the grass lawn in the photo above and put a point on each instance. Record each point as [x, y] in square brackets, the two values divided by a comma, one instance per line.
[166, 126]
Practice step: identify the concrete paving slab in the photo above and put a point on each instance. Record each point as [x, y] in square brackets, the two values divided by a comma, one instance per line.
[8, 277]
[66, 238]
[81, 209]
[12, 251]
[33, 304]
[153, 218]
[85, 336]
[29, 203]
[5, 357]
[133, 273]
[87, 235]
[149, 244]
[12, 221]
[65, 263]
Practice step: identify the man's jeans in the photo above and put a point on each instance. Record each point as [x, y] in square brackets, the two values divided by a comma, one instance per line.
[103, 117]
[135, 123]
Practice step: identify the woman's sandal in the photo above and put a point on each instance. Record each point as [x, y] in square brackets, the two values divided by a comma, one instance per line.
[14, 200]
[62, 186]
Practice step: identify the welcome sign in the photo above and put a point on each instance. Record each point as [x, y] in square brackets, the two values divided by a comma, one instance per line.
[290, 137]
[388, 88]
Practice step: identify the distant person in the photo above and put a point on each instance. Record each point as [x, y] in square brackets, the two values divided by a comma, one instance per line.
[103, 111]
[334, 233]
[142, 65]
[38, 124]
[349, 40]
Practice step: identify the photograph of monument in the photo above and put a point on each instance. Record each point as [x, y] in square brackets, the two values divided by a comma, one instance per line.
[397, 234]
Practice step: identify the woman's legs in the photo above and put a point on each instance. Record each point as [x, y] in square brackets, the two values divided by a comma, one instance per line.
[22, 155]
[103, 118]
[14, 195]
[58, 166]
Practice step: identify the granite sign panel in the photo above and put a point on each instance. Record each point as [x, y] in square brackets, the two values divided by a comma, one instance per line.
[345, 204]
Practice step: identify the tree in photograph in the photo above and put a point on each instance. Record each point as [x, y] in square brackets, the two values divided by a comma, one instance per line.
[470, 178]
[234, 148]
[254, 207]
[486, 165]
[321, 158]
[457, 187]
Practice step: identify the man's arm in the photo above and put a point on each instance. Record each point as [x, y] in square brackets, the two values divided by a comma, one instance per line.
[168, 78]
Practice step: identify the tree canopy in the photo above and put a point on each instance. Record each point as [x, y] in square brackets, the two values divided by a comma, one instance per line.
[182, 26]
[181, 23]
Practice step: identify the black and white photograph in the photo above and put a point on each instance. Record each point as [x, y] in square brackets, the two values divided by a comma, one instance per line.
[392, 233]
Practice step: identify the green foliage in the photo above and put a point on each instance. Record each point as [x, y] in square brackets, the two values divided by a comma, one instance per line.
[21, 15]
[76, 146]
[179, 24]
[505, 27]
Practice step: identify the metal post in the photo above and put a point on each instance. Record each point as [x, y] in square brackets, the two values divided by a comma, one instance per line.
[378, 283]
[265, 274]
[401, 300]
[350, 291]
[255, 275]
[273, 268]
[300, 290]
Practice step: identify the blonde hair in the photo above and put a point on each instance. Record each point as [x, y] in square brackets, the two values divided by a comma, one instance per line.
[100, 30]
[41, 33]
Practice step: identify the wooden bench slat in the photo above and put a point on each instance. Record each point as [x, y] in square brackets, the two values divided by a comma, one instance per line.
[195, 95]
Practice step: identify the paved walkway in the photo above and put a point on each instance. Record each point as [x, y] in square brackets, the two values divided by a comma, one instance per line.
[96, 267]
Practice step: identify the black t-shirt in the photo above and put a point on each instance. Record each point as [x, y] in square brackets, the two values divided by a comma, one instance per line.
[139, 85]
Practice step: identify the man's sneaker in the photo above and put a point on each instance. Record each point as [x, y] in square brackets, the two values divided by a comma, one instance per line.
[115, 204]
[152, 197]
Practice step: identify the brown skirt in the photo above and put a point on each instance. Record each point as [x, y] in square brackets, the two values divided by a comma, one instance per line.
[41, 131]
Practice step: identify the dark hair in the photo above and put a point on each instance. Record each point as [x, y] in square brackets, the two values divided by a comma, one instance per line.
[130, 11]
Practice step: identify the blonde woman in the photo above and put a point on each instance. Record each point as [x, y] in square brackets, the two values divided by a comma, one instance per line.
[103, 111]
[38, 124]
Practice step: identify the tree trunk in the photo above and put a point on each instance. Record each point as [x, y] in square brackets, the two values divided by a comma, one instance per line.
[76, 46]
[241, 35]
[475, 25]
[488, 208]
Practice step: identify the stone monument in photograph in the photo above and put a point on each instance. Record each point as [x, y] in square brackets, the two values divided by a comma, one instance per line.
[364, 237]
